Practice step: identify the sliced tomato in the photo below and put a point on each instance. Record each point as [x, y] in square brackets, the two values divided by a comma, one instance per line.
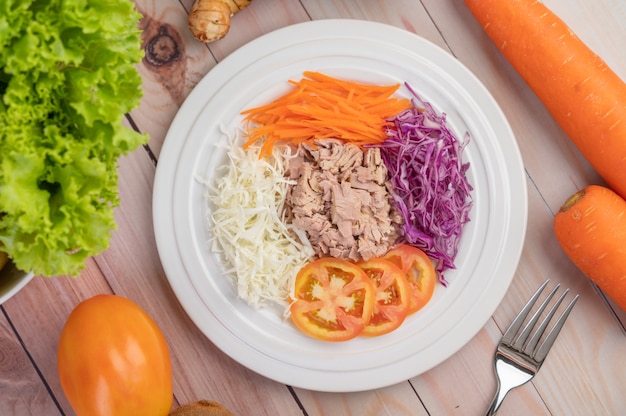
[334, 299]
[392, 296]
[419, 271]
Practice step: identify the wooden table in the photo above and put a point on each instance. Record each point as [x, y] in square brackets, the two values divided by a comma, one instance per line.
[586, 370]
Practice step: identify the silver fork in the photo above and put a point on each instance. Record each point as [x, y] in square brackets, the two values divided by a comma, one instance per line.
[519, 358]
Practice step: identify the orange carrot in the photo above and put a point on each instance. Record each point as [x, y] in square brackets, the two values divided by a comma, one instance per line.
[321, 106]
[591, 229]
[585, 97]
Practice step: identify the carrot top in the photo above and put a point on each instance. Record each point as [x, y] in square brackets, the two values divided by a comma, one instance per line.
[321, 106]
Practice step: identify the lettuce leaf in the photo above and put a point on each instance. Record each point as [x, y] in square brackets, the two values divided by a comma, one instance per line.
[67, 78]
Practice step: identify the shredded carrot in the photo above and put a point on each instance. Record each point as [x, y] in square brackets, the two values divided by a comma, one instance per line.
[321, 106]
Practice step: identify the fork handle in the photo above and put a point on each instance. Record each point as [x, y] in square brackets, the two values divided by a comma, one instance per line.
[507, 381]
[505, 385]
[498, 398]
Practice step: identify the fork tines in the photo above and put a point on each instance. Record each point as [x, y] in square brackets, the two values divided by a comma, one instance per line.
[522, 341]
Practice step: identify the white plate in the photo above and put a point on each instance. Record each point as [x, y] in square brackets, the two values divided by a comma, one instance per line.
[368, 52]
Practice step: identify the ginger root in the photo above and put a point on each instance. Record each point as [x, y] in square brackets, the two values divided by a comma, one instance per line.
[201, 408]
[209, 20]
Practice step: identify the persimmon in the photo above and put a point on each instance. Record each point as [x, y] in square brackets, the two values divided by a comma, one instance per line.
[114, 360]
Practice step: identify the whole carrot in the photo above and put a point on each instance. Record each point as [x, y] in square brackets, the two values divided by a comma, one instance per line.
[585, 97]
[591, 229]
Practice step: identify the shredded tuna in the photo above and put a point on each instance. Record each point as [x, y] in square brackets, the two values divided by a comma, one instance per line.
[341, 200]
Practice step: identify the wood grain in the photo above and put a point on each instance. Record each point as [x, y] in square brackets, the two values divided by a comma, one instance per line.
[21, 388]
[168, 78]
[584, 373]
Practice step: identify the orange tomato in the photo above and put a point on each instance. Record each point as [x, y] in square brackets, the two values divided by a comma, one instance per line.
[114, 360]
[334, 299]
[392, 296]
[419, 271]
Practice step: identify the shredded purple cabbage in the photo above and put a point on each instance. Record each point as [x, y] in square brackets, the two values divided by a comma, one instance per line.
[430, 188]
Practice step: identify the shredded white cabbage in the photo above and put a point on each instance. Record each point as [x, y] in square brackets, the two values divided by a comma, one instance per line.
[262, 252]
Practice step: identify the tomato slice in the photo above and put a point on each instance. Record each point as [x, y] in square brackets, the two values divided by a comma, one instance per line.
[419, 271]
[334, 299]
[392, 296]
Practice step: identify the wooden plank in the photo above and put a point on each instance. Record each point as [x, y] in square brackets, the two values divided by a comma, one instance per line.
[396, 400]
[258, 18]
[406, 14]
[465, 383]
[173, 64]
[21, 389]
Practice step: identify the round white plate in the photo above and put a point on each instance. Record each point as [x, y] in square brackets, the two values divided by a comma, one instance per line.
[261, 339]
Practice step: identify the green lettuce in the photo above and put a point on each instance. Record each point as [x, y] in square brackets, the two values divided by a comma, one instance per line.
[67, 78]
